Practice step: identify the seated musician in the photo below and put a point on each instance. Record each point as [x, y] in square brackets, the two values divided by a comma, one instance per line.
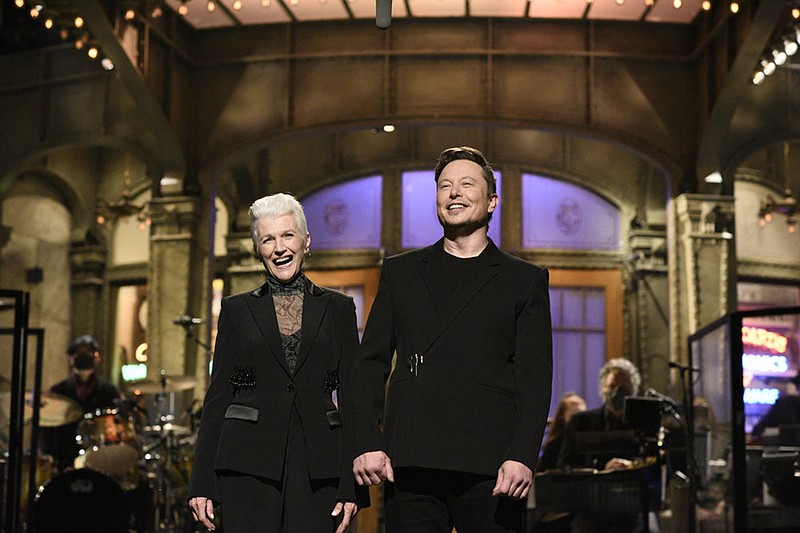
[617, 379]
[85, 387]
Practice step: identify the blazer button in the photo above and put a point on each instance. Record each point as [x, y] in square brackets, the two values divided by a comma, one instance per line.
[290, 387]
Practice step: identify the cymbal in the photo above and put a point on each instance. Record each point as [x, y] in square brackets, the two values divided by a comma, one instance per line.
[54, 409]
[168, 429]
[165, 384]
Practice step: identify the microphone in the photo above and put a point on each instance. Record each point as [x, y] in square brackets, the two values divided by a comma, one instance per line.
[187, 321]
[679, 366]
[383, 13]
[672, 404]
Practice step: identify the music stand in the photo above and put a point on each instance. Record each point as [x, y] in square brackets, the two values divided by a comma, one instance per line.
[643, 416]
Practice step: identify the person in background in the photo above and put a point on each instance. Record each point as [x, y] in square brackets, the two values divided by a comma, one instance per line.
[570, 403]
[85, 387]
[556, 522]
[273, 448]
[617, 379]
[469, 396]
[786, 409]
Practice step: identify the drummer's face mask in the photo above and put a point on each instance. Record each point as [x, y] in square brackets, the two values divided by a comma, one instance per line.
[83, 365]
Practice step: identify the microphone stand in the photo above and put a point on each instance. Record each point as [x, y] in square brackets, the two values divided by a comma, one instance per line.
[691, 466]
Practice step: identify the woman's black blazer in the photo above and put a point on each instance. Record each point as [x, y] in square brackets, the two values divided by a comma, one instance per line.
[245, 422]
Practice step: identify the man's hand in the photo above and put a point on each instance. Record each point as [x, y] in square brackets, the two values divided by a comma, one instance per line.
[513, 480]
[618, 463]
[373, 468]
[350, 509]
[203, 511]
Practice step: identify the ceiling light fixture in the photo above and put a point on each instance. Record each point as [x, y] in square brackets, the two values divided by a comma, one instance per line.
[677, 4]
[183, 9]
[706, 5]
[211, 6]
[237, 5]
[123, 207]
[78, 22]
[265, 3]
[19, 3]
[734, 7]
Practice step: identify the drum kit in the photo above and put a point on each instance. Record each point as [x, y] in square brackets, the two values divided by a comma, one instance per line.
[132, 471]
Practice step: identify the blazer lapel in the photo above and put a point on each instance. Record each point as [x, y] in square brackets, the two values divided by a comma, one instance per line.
[315, 305]
[262, 307]
[487, 267]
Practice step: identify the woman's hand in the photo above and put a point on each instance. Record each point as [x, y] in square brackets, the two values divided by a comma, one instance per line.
[203, 511]
[349, 509]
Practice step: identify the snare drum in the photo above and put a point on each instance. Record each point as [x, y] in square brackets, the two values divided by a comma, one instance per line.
[110, 438]
[81, 501]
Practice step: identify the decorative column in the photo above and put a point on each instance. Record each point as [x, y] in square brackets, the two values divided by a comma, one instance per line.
[244, 272]
[176, 284]
[702, 265]
[647, 305]
[88, 263]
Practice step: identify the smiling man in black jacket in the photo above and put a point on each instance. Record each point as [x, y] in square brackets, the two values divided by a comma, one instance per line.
[467, 402]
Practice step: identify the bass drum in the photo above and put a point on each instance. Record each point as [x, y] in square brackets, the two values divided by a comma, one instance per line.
[81, 501]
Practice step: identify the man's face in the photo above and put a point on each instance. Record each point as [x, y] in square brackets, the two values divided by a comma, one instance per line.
[616, 386]
[83, 362]
[463, 202]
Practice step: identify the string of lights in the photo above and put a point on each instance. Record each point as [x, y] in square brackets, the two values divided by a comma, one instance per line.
[62, 19]
[778, 52]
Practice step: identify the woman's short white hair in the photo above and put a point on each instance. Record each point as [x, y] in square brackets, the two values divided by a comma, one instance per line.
[626, 367]
[275, 206]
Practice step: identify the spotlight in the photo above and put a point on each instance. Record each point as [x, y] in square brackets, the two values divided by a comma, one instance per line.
[796, 13]
[211, 6]
[734, 7]
[264, 3]
[758, 77]
[93, 52]
[779, 56]
[767, 66]
[19, 3]
[35, 12]
[677, 4]
[706, 5]
[130, 14]
[78, 23]
[237, 5]
[107, 64]
[183, 9]
[48, 23]
[156, 12]
[790, 46]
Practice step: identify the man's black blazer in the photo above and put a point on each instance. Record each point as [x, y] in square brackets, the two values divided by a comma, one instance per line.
[245, 424]
[481, 391]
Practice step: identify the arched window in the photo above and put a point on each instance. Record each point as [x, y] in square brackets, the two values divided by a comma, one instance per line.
[557, 214]
[346, 215]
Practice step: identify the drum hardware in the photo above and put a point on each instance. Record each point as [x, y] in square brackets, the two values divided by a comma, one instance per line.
[165, 384]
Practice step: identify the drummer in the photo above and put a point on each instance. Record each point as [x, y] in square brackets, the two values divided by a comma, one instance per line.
[85, 387]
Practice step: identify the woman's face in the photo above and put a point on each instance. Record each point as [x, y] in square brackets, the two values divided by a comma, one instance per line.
[281, 247]
[573, 404]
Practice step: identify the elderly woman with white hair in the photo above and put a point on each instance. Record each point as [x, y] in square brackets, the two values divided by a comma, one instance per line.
[272, 447]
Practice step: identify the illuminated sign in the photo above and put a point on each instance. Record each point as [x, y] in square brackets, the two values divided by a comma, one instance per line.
[765, 364]
[763, 338]
[761, 396]
[134, 372]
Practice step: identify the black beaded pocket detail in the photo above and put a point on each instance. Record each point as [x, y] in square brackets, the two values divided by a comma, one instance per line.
[332, 381]
[243, 377]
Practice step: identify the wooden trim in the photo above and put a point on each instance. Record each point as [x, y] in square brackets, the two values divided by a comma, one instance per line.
[612, 284]
[367, 277]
